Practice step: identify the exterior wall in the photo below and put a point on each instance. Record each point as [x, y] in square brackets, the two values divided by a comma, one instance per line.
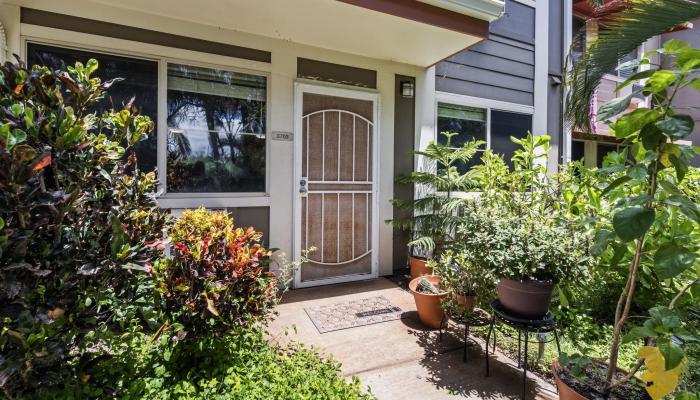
[276, 204]
[689, 97]
[501, 67]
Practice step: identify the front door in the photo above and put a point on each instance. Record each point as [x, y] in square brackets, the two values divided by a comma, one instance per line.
[335, 203]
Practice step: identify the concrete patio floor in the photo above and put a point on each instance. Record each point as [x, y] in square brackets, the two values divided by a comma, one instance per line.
[401, 359]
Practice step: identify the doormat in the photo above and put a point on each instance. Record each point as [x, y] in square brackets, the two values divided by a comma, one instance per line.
[352, 314]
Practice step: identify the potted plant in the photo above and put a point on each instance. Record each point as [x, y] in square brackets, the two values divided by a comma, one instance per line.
[428, 294]
[653, 227]
[527, 254]
[461, 278]
[432, 221]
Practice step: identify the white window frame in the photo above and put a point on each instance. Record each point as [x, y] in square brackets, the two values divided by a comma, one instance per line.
[485, 104]
[163, 56]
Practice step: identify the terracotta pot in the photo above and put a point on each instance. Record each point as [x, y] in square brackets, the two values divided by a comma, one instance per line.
[529, 299]
[565, 392]
[568, 393]
[428, 305]
[468, 302]
[419, 267]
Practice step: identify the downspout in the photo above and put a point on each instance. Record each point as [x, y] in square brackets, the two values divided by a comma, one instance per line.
[3, 44]
[566, 130]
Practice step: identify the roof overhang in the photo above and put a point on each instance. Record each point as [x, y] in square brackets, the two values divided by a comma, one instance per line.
[413, 32]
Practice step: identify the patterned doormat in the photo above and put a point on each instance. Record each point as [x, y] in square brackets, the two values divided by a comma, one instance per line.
[351, 314]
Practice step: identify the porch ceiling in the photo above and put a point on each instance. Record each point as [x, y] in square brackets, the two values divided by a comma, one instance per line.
[411, 32]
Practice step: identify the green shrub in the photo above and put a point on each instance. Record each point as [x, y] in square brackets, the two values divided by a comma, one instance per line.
[241, 367]
[215, 280]
[78, 225]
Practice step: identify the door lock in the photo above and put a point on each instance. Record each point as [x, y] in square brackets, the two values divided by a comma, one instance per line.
[302, 187]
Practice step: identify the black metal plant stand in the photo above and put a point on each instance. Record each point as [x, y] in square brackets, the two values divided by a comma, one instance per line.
[525, 327]
[476, 318]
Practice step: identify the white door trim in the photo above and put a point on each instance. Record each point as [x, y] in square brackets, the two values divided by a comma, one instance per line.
[299, 89]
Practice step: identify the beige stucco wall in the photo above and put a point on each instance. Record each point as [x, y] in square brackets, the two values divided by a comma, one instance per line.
[282, 73]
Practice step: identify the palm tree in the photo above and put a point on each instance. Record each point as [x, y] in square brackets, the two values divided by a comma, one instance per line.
[627, 25]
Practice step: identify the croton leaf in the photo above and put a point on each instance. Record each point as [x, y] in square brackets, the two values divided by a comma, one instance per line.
[670, 260]
[633, 222]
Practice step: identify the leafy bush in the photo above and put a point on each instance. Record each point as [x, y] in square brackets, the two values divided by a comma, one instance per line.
[78, 225]
[241, 367]
[216, 278]
[511, 246]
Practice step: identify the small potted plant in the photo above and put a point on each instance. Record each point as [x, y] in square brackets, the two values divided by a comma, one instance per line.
[428, 293]
[461, 278]
[433, 216]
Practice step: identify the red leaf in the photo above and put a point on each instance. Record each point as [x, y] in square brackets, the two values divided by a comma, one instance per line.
[42, 162]
[18, 88]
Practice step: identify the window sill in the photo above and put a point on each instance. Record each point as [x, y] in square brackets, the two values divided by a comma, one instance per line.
[213, 200]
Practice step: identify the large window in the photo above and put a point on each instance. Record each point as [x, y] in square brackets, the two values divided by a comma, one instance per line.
[216, 130]
[140, 83]
[493, 126]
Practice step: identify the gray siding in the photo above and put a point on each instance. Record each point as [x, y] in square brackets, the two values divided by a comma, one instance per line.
[499, 68]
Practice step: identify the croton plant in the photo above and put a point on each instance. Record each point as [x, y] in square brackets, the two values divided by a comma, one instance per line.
[217, 278]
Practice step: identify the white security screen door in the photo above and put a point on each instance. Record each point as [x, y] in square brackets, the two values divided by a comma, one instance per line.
[336, 190]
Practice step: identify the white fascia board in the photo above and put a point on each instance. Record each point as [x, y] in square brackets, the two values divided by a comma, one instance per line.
[488, 10]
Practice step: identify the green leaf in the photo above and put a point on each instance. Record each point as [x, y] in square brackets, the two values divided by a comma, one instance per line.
[633, 222]
[660, 81]
[686, 206]
[637, 172]
[601, 241]
[617, 182]
[562, 297]
[673, 46]
[2, 223]
[638, 332]
[680, 166]
[677, 126]
[670, 260]
[652, 136]
[673, 354]
[636, 77]
[634, 121]
[613, 107]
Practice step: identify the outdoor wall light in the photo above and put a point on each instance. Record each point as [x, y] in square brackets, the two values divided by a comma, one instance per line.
[407, 89]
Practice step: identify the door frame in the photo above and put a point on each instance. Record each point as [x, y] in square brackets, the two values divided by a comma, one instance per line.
[302, 86]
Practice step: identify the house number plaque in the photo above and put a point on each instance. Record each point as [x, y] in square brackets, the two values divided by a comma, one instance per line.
[284, 136]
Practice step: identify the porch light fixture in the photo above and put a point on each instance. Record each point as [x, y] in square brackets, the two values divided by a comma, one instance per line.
[407, 89]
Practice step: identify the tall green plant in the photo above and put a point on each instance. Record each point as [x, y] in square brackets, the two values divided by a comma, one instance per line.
[653, 220]
[434, 218]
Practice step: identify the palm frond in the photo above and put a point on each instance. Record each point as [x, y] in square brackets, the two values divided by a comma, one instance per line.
[624, 31]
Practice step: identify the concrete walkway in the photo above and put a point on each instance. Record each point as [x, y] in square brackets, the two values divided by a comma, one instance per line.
[401, 359]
